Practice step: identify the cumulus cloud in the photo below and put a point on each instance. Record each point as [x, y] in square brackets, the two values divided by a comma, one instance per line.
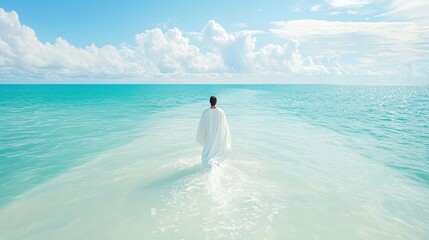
[236, 49]
[217, 34]
[155, 52]
[21, 50]
[304, 48]
[171, 52]
[240, 55]
[287, 57]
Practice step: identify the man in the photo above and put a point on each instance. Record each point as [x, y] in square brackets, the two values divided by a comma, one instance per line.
[213, 134]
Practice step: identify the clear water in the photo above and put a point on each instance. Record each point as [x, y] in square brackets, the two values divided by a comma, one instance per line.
[120, 161]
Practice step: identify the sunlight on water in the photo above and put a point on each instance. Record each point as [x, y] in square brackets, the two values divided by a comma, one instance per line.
[296, 172]
[226, 202]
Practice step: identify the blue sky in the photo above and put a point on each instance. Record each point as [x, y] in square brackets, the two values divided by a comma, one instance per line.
[115, 22]
[327, 41]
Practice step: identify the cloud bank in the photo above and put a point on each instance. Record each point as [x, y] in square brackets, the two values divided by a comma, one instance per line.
[313, 49]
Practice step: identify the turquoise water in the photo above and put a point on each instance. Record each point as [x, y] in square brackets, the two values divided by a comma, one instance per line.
[308, 162]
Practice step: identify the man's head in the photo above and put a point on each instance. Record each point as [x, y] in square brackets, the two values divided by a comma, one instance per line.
[213, 101]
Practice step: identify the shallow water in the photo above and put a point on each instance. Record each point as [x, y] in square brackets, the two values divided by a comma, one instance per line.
[308, 162]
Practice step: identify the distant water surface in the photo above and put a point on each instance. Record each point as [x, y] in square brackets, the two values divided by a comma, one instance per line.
[120, 161]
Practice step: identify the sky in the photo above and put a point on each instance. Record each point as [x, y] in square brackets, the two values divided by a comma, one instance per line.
[323, 41]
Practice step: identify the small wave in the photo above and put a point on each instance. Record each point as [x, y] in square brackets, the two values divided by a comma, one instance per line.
[230, 200]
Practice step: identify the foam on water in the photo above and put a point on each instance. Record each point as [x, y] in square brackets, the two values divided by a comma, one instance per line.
[286, 179]
[230, 201]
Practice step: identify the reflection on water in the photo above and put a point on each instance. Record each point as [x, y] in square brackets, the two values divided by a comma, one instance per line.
[229, 201]
[298, 170]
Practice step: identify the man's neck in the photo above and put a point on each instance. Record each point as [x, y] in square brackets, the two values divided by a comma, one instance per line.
[213, 107]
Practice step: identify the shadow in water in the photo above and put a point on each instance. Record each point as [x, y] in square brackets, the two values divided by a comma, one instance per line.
[172, 178]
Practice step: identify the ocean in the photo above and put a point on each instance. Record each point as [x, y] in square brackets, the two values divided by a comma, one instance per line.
[121, 162]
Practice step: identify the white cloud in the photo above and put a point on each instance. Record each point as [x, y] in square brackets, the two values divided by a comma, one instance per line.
[348, 3]
[387, 44]
[216, 33]
[315, 8]
[171, 52]
[21, 50]
[309, 47]
[314, 28]
[156, 52]
[236, 49]
[241, 25]
[417, 10]
[239, 53]
[287, 58]
[195, 35]
[296, 8]
[372, 36]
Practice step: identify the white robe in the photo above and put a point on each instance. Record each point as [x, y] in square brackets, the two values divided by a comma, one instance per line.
[213, 134]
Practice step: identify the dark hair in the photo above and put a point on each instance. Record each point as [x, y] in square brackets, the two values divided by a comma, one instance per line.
[213, 100]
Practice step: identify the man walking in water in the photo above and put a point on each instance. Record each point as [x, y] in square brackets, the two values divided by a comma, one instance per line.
[213, 134]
